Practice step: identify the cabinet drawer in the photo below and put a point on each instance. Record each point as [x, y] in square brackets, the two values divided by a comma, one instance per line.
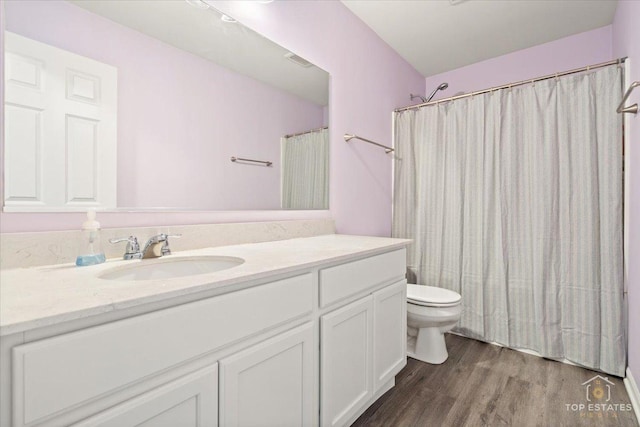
[348, 279]
[55, 374]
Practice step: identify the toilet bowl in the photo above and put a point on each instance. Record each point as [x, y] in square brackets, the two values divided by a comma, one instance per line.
[431, 312]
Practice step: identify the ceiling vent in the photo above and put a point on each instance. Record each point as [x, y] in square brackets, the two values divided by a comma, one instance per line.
[298, 60]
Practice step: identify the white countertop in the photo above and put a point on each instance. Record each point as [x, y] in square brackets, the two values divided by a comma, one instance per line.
[48, 295]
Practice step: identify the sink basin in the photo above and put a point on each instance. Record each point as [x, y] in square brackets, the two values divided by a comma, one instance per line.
[171, 268]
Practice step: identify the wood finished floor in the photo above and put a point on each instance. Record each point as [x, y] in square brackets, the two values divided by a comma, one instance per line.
[486, 385]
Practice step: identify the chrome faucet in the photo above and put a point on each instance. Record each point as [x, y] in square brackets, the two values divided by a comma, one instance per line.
[132, 251]
[150, 248]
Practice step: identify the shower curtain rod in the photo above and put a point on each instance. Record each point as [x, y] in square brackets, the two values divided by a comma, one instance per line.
[304, 133]
[520, 83]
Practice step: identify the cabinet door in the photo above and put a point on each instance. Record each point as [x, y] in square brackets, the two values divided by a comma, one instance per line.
[346, 366]
[271, 383]
[188, 401]
[389, 332]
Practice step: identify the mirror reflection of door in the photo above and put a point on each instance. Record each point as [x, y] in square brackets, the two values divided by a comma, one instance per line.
[191, 91]
[60, 128]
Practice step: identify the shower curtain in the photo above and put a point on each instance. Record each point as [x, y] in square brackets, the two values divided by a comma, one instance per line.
[305, 171]
[514, 200]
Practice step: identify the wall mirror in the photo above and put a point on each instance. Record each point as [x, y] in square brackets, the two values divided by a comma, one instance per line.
[132, 104]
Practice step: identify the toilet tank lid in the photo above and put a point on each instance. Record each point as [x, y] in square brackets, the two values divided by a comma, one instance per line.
[431, 294]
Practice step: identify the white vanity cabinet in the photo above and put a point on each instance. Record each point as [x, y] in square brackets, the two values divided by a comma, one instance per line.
[66, 378]
[363, 344]
[313, 345]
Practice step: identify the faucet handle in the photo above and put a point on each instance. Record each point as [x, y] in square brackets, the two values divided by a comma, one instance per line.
[165, 247]
[132, 251]
[123, 239]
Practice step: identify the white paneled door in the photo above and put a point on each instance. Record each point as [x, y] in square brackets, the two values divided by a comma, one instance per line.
[60, 128]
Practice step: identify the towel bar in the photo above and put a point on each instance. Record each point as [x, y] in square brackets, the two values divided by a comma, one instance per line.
[264, 162]
[348, 137]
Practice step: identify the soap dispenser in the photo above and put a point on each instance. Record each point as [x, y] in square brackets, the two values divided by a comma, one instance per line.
[90, 248]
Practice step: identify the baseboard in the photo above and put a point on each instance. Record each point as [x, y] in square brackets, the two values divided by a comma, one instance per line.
[632, 390]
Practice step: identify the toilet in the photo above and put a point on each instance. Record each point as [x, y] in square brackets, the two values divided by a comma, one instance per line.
[431, 312]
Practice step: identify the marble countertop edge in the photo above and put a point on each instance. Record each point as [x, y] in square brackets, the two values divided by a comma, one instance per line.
[22, 311]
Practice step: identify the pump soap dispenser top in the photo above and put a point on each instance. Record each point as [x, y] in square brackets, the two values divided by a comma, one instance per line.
[90, 247]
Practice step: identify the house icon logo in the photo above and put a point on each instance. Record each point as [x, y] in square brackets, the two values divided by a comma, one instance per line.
[599, 400]
[598, 388]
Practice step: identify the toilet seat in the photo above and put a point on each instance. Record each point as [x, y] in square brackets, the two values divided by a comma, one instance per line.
[431, 296]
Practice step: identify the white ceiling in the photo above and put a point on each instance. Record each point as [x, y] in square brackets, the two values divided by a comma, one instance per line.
[441, 35]
[203, 33]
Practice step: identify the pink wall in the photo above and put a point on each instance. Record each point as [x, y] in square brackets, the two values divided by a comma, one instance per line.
[626, 42]
[571, 52]
[180, 117]
[368, 81]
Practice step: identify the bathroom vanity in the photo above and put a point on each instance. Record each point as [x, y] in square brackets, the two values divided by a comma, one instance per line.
[307, 331]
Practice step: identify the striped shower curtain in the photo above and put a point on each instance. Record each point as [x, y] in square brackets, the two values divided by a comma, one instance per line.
[514, 200]
[305, 170]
